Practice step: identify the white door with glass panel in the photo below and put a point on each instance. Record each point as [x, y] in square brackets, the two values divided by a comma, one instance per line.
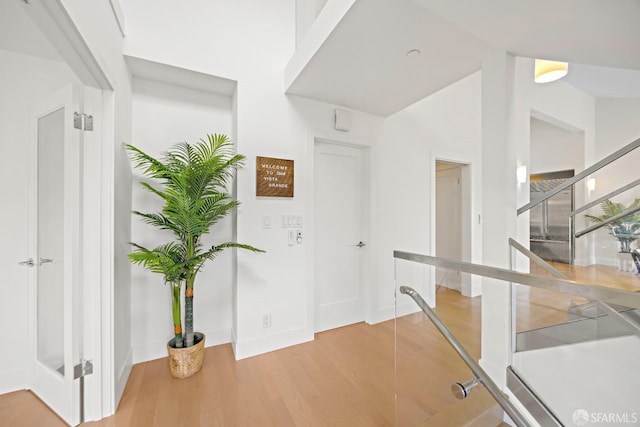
[54, 328]
[339, 227]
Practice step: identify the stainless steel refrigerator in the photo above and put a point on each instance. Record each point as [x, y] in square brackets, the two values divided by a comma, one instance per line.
[551, 225]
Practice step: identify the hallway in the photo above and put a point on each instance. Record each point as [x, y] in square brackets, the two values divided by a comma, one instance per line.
[343, 378]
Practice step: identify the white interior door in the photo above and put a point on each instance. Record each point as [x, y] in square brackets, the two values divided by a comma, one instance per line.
[448, 221]
[339, 194]
[54, 325]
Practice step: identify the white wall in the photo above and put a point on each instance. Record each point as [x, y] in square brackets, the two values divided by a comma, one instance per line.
[268, 123]
[403, 150]
[24, 79]
[444, 126]
[510, 99]
[164, 115]
[555, 149]
[568, 108]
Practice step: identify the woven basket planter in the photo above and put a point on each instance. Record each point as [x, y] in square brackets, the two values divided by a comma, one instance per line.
[187, 361]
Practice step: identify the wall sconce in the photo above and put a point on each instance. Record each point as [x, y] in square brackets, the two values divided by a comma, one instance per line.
[591, 184]
[547, 71]
[521, 174]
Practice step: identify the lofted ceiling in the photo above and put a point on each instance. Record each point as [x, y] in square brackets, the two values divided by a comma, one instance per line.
[363, 64]
[361, 61]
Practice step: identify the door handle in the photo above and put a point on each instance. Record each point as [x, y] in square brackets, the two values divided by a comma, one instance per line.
[27, 263]
[45, 260]
[361, 245]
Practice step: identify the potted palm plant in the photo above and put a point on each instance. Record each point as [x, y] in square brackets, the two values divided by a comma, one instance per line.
[191, 180]
[626, 229]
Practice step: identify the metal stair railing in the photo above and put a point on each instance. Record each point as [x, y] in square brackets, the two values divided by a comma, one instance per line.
[586, 290]
[582, 175]
[625, 322]
[604, 296]
[607, 222]
[533, 257]
[605, 197]
[480, 374]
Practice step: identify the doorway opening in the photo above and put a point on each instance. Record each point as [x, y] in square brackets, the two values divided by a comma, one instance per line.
[452, 223]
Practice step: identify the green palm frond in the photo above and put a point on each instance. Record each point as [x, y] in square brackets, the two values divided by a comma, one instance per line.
[216, 249]
[611, 209]
[192, 181]
[168, 260]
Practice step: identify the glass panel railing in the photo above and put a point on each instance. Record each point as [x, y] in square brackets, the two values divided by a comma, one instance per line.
[575, 346]
[434, 385]
[584, 367]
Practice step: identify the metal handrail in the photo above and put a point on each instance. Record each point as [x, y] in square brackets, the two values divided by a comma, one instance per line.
[535, 258]
[607, 221]
[479, 373]
[585, 290]
[582, 175]
[605, 197]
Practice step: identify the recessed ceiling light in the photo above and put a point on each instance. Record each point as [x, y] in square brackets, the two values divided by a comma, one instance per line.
[548, 71]
[413, 52]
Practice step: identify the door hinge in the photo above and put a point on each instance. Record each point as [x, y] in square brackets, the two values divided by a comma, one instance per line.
[82, 121]
[82, 369]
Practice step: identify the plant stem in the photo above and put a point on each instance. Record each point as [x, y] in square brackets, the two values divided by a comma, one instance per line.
[188, 300]
[188, 314]
[175, 306]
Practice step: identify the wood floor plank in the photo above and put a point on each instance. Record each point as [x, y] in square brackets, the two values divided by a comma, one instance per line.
[395, 373]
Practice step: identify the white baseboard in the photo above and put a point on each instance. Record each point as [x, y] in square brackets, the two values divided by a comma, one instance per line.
[272, 342]
[12, 381]
[158, 349]
[233, 340]
[388, 313]
[122, 377]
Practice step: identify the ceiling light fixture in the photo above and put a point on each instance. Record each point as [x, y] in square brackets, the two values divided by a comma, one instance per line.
[547, 71]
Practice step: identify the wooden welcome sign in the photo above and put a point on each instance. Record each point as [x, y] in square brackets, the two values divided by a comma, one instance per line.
[274, 177]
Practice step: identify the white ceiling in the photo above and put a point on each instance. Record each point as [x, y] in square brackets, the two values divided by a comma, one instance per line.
[362, 64]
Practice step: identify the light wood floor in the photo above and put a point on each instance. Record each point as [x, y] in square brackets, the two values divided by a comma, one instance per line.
[358, 375]
[345, 377]
[540, 308]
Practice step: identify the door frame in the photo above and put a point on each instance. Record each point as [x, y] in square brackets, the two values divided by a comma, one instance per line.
[54, 21]
[470, 285]
[457, 283]
[313, 137]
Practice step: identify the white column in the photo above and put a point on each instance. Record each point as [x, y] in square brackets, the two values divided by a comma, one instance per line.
[499, 198]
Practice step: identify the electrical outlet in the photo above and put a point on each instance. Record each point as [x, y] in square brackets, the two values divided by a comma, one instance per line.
[266, 321]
